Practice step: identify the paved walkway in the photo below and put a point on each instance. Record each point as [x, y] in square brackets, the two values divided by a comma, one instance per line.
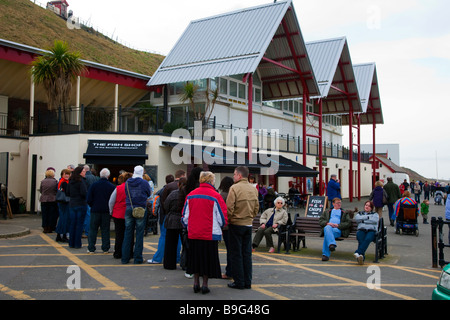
[34, 266]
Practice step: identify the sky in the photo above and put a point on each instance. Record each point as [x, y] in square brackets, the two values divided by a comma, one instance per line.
[409, 40]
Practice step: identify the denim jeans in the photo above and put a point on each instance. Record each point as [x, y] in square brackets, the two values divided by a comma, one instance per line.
[64, 219]
[159, 254]
[131, 224]
[240, 242]
[330, 235]
[77, 216]
[101, 220]
[365, 238]
[87, 220]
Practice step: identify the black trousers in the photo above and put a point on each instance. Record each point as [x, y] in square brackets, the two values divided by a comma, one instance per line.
[170, 248]
[119, 227]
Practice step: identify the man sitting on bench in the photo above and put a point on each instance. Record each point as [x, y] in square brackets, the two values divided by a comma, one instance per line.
[335, 223]
[270, 221]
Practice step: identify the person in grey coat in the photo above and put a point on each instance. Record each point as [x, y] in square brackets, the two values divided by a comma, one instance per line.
[367, 230]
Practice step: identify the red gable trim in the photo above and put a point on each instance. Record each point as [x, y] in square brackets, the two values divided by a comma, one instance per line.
[24, 57]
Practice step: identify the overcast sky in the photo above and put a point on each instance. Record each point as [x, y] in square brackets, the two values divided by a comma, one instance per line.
[409, 40]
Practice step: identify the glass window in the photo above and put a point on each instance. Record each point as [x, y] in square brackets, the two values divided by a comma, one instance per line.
[257, 97]
[242, 91]
[296, 107]
[233, 89]
[223, 86]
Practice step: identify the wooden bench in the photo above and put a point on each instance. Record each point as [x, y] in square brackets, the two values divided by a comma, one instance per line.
[305, 227]
[283, 232]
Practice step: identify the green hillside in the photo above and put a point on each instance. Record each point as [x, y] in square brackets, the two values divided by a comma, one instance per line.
[24, 22]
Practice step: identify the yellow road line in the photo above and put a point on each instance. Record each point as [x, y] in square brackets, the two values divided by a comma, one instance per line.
[19, 295]
[108, 284]
[350, 281]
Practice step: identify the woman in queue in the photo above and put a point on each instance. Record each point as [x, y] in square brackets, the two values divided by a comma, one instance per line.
[204, 215]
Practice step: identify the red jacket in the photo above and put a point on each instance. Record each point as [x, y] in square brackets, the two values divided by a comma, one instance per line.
[120, 206]
[204, 213]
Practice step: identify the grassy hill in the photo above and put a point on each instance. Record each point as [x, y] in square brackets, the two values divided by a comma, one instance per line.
[24, 22]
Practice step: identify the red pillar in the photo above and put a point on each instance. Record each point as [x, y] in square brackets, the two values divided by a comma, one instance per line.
[250, 117]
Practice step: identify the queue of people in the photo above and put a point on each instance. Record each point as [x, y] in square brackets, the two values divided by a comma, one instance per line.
[194, 217]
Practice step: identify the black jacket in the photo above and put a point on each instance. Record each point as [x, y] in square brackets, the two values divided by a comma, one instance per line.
[77, 191]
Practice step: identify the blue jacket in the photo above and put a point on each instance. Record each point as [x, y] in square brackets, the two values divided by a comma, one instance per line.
[99, 194]
[139, 190]
[333, 190]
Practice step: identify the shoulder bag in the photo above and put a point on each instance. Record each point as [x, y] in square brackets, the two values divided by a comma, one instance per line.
[138, 212]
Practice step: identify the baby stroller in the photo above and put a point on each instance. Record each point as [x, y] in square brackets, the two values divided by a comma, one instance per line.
[407, 220]
[438, 196]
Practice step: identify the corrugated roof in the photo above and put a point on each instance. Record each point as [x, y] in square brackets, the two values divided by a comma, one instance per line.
[367, 81]
[235, 43]
[331, 62]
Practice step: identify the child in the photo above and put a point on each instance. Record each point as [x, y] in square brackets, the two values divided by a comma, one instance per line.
[424, 209]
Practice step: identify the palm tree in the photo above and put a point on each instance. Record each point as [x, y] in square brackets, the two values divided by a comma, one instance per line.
[190, 93]
[56, 70]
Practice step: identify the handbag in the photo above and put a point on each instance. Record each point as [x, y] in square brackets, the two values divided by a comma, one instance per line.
[61, 196]
[138, 212]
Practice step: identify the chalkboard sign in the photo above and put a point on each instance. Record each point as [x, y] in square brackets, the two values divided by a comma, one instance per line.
[315, 206]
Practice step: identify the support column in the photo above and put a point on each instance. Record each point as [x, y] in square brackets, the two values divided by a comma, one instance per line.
[116, 108]
[320, 148]
[250, 117]
[374, 173]
[350, 173]
[305, 113]
[31, 126]
[78, 101]
[359, 157]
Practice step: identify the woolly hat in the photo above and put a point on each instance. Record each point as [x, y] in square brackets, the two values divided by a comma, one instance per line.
[138, 172]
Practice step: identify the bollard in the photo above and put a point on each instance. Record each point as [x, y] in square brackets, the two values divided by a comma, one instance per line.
[434, 242]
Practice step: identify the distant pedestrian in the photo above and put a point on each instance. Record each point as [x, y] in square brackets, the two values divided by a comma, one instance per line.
[379, 197]
[424, 210]
[98, 199]
[49, 208]
[333, 189]
[393, 194]
[243, 206]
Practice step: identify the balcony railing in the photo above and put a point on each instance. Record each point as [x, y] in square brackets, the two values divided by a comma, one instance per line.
[154, 121]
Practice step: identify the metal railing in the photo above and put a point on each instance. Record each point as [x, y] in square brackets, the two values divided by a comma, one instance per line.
[437, 241]
[155, 121]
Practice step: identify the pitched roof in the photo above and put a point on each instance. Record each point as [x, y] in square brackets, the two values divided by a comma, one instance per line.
[259, 38]
[367, 81]
[334, 73]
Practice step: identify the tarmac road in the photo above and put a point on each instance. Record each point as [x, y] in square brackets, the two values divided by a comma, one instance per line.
[35, 267]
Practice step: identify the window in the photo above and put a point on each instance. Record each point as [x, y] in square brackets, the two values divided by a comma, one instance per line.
[223, 86]
[257, 96]
[242, 91]
[233, 89]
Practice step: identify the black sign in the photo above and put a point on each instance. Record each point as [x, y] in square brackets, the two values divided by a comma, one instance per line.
[315, 206]
[116, 152]
[117, 147]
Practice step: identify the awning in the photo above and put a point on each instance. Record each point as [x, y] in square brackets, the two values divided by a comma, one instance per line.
[126, 152]
[220, 160]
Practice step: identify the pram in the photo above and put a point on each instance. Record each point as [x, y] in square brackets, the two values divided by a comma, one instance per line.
[438, 196]
[407, 220]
